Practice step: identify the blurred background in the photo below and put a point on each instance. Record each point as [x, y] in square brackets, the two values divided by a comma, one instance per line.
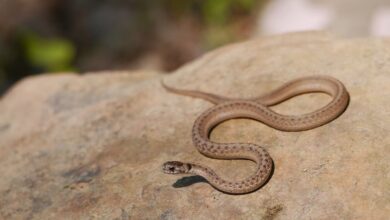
[40, 36]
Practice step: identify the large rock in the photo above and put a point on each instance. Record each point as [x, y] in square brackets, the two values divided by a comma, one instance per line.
[91, 146]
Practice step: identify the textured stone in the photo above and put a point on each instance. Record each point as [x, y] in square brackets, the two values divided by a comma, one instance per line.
[91, 146]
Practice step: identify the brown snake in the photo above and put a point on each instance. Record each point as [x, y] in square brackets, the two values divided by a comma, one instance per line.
[257, 109]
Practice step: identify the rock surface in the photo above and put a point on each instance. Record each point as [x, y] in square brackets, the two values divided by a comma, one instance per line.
[91, 146]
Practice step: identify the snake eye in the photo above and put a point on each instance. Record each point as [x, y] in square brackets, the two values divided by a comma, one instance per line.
[172, 169]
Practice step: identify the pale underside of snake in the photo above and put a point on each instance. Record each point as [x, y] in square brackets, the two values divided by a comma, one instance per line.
[257, 109]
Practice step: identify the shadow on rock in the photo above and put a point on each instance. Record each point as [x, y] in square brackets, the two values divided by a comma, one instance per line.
[189, 180]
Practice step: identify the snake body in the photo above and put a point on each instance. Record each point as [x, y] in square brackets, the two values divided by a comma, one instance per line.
[258, 109]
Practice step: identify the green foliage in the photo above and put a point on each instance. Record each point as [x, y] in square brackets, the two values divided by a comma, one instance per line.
[219, 12]
[216, 12]
[246, 4]
[53, 54]
[216, 15]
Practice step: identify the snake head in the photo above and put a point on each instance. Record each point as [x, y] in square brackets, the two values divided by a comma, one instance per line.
[176, 167]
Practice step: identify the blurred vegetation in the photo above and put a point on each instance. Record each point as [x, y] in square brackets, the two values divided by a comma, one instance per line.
[53, 55]
[55, 36]
[217, 16]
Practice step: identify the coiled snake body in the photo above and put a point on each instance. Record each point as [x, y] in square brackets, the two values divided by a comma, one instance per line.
[257, 109]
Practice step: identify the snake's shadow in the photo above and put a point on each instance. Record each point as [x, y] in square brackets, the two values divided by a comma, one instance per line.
[189, 180]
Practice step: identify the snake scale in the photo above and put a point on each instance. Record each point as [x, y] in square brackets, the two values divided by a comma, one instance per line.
[257, 109]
